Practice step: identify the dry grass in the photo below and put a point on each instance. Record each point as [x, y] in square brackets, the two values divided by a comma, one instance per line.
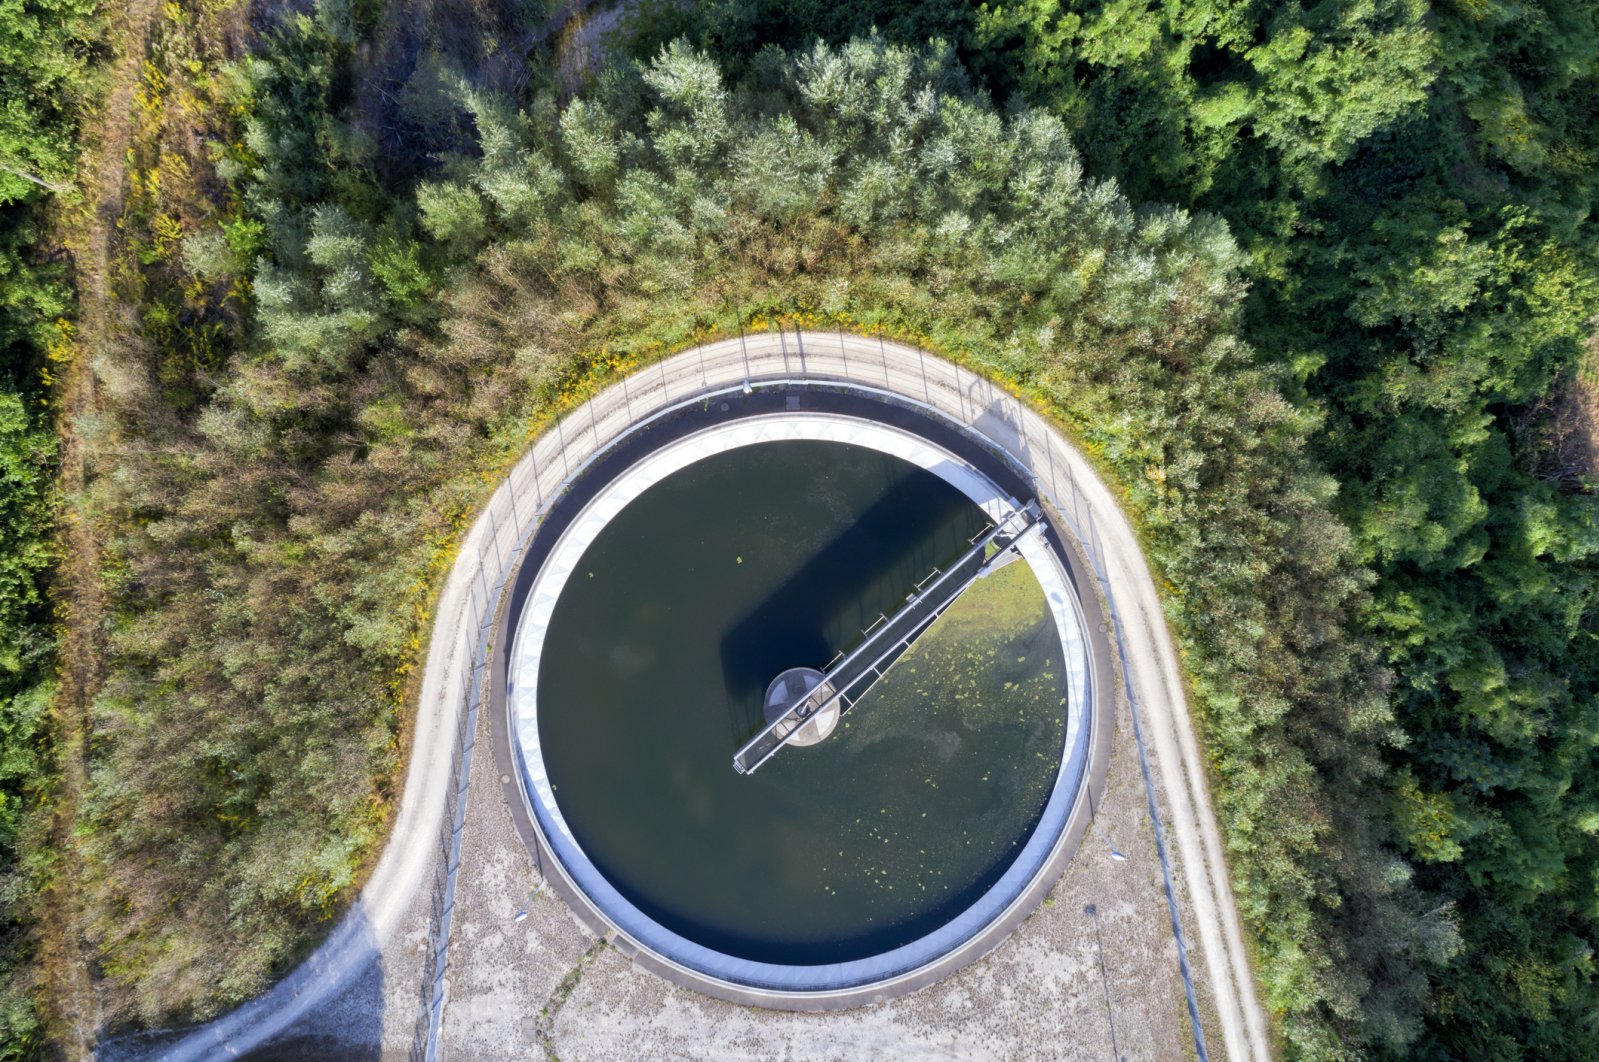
[148, 330]
[86, 229]
[100, 229]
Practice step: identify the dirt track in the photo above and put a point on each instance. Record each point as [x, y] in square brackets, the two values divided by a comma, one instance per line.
[85, 227]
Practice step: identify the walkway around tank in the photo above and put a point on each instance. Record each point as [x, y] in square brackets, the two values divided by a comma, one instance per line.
[382, 931]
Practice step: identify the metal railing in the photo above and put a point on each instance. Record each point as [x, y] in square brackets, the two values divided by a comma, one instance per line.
[757, 360]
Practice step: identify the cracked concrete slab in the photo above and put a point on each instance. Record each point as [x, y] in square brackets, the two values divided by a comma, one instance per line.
[1055, 989]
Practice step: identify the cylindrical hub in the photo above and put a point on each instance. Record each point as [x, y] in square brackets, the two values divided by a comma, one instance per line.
[812, 720]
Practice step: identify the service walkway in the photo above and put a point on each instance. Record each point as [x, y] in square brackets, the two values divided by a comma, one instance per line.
[852, 675]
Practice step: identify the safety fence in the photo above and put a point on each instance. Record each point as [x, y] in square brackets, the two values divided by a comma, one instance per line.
[757, 360]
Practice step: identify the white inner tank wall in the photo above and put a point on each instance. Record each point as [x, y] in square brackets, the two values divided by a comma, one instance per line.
[539, 607]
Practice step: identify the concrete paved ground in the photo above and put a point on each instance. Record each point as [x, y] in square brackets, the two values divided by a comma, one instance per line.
[1067, 984]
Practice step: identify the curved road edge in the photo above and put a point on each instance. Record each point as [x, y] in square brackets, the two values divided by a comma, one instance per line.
[359, 939]
[466, 605]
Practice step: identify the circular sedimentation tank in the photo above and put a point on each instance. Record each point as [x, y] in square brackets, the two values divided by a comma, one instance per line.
[700, 578]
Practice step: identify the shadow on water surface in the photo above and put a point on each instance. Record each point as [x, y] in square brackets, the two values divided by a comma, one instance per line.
[800, 623]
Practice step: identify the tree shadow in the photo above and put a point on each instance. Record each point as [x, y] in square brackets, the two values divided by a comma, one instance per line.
[802, 621]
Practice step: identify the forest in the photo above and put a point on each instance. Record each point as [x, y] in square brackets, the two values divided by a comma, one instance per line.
[47, 51]
[1314, 284]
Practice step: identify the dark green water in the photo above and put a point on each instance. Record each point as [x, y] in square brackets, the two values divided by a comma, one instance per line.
[661, 647]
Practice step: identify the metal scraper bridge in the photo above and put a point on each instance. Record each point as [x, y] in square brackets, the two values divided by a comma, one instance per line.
[851, 675]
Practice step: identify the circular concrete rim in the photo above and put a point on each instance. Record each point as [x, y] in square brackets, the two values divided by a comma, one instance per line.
[975, 450]
[564, 561]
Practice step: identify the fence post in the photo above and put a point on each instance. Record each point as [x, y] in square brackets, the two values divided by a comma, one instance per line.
[745, 350]
[1049, 451]
[480, 575]
[494, 528]
[1077, 496]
